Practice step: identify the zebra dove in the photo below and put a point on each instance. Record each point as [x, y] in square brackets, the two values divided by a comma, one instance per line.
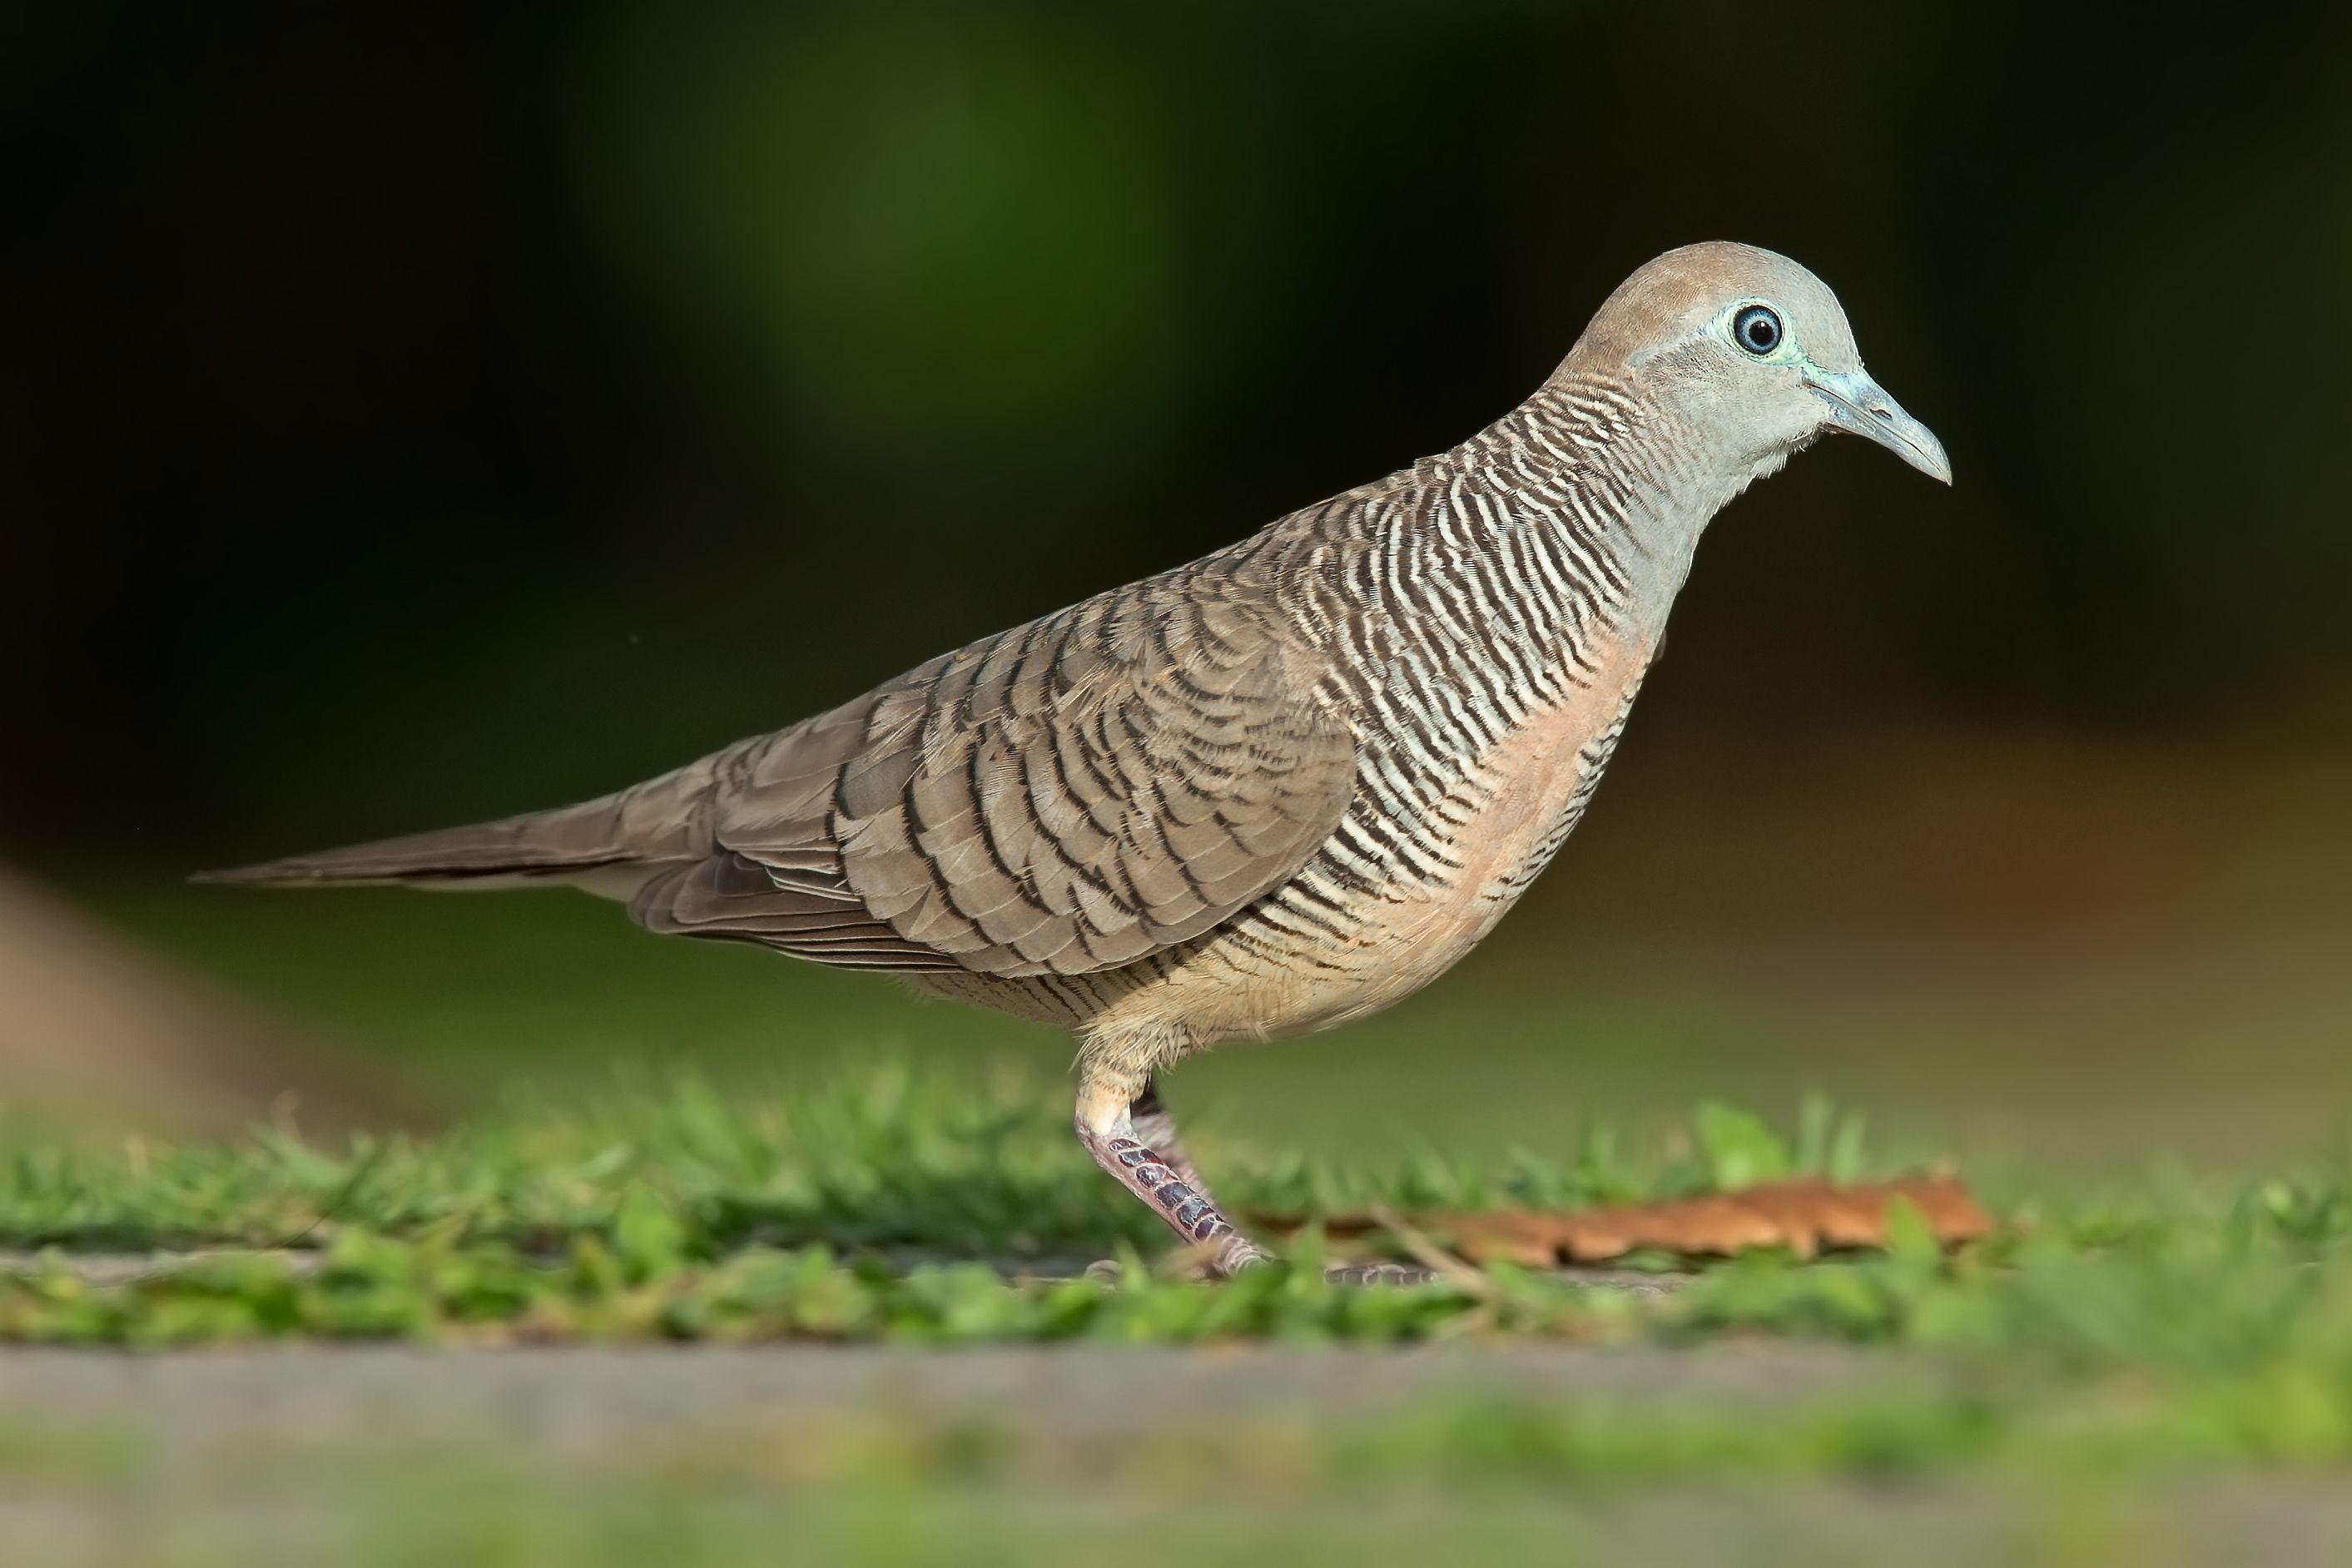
[1272, 790]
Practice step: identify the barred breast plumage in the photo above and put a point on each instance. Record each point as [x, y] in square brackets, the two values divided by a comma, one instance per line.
[1276, 788]
[1477, 630]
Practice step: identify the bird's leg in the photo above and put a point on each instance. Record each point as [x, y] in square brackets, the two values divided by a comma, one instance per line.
[1153, 1127]
[1130, 1134]
[1114, 1135]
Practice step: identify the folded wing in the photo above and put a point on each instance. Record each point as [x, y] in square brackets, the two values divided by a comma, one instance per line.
[1068, 796]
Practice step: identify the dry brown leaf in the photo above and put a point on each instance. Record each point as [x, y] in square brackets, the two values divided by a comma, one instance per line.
[1807, 1215]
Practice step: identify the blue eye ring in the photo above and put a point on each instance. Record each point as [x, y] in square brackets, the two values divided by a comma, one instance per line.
[1758, 329]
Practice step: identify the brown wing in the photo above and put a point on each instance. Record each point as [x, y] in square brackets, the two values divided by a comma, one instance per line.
[1064, 797]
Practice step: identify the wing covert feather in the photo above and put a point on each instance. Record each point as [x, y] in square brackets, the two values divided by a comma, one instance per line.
[1068, 796]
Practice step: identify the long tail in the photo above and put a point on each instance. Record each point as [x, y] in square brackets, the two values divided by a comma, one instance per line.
[608, 844]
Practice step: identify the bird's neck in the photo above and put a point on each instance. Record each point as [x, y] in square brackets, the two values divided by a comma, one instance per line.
[1610, 484]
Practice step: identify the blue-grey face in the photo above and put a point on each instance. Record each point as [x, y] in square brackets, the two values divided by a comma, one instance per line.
[1768, 336]
[1755, 352]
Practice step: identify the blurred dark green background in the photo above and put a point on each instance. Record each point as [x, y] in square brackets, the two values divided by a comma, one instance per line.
[412, 417]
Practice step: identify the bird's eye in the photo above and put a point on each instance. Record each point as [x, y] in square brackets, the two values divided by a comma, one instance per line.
[1756, 329]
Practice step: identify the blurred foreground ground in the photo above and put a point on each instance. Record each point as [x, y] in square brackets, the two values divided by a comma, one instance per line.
[1031, 1457]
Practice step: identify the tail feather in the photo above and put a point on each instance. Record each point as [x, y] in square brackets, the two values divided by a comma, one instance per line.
[660, 821]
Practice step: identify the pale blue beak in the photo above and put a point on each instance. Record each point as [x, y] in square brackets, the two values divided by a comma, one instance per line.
[1861, 405]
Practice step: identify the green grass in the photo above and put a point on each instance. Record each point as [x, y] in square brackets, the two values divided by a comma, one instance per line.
[2093, 1352]
[892, 1208]
[953, 1163]
[676, 1210]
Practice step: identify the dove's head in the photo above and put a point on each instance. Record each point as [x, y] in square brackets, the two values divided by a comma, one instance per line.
[1752, 355]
